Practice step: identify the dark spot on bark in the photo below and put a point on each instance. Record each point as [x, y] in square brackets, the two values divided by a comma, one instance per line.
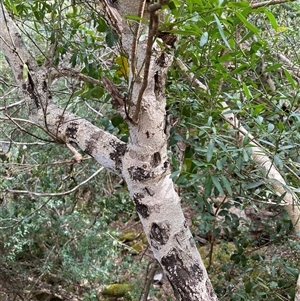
[142, 209]
[155, 160]
[44, 86]
[147, 134]
[183, 277]
[29, 89]
[149, 191]
[91, 143]
[168, 38]
[118, 154]
[166, 164]
[158, 87]
[197, 272]
[138, 173]
[161, 60]
[159, 234]
[156, 77]
[71, 131]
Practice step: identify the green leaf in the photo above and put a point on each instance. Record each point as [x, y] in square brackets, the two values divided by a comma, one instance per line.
[273, 67]
[247, 91]
[208, 187]
[292, 271]
[216, 182]
[221, 31]
[111, 37]
[204, 39]
[102, 26]
[249, 25]
[289, 78]
[248, 287]
[134, 18]
[227, 185]
[241, 4]
[271, 18]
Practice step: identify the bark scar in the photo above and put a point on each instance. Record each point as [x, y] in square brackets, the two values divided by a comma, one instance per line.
[142, 209]
[159, 234]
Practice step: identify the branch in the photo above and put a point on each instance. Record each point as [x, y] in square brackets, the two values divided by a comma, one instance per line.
[77, 156]
[61, 125]
[106, 83]
[268, 3]
[153, 27]
[112, 15]
[40, 194]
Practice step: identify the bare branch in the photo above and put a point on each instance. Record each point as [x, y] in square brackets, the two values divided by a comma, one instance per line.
[12, 105]
[153, 28]
[40, 194]
[91, 108]
[77, 156]
[268, 3]
[106, 83]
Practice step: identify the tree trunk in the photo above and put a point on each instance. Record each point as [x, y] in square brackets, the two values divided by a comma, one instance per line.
[143, 162]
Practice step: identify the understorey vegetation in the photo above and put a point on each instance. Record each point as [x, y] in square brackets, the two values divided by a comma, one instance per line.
[134, 137]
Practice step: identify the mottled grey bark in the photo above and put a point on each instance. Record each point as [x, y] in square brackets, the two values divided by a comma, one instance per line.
[143, 162]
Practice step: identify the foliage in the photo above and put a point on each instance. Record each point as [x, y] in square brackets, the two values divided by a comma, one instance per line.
[231, 48]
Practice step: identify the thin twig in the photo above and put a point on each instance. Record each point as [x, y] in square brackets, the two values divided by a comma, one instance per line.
[152, 267]
[41, 194]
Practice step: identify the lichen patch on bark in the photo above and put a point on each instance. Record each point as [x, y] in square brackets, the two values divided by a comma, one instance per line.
[138, 173]
[91, 143]
[71, 131]
[118, 153]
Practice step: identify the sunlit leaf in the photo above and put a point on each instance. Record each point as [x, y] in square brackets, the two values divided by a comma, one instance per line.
[204, 39]
[282, 29]
[122, 62]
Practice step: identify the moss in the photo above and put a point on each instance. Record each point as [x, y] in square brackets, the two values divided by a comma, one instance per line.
[129, 235]
[117, 289]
